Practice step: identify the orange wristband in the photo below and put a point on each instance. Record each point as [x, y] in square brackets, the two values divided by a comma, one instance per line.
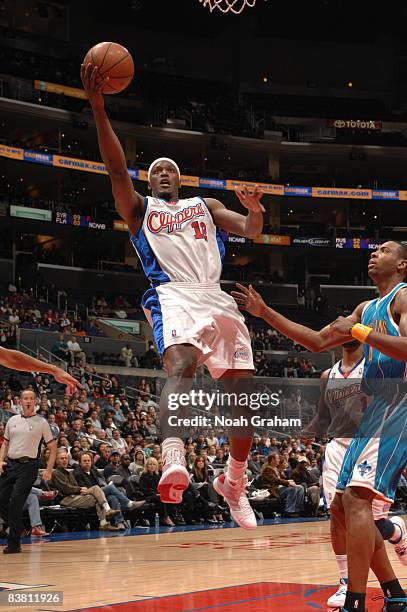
[360, 332]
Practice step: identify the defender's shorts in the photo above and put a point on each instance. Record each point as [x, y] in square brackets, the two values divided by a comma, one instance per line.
[334, 455]
[206, 317]
[377, 454]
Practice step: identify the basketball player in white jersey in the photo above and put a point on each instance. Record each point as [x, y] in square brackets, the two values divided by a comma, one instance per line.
[193, 320]
[340, 409]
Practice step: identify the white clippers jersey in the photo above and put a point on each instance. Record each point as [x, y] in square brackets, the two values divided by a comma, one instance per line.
[345, 400]
[179, 242]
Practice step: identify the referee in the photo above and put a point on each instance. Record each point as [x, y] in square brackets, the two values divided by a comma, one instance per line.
[23, 437]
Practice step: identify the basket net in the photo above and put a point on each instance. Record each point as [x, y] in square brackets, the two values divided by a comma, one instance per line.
[226, 6]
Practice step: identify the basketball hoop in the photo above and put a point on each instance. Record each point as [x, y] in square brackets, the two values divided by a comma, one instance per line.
[226, 6]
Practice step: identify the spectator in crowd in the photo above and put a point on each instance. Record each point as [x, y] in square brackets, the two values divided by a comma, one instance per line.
[274, 446]
[202, 481]
[137, 467]
[254, 463]
[60, 348]
[211, 454]
[108, 404]
[94, 418]
[148, 483]
[32, 505]
[220, 460]
[263, 447]
[288, 491]
[152, 359]
[85, 444]
[124, 468]
[83, 403]
[74, 455]
[74, 496]
[90, 431]
[103, 454]
[302, 476]
[112, 467]
[315, 469]
[53, 426]
[6, 412]
[151, 427]
[200, 443]
[126, 355]
[117, 442]
[118, 416]
[190, 460]
[75, 432]
[78, 356]
[87, 476]
[212, 440]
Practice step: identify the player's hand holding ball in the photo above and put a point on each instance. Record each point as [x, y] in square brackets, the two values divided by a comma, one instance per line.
[107, 68]
[250, 300]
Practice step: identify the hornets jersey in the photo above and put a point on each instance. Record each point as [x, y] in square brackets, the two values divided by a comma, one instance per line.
[179, 242]
[377, 455]
[377, 315]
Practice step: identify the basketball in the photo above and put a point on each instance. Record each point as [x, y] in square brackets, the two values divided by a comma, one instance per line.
[113, 61]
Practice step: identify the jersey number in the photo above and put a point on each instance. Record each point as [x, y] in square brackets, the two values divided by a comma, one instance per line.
[200, 230]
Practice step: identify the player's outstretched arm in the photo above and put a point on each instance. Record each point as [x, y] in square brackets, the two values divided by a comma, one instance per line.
[15, 360]
[129, 203]
[250, 225]
[315, 341]
[392, 346]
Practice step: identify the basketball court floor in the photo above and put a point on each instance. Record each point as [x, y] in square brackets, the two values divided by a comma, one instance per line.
[282, 566]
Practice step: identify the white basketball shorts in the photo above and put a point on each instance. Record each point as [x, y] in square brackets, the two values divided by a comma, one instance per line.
[206, 317]
[334, 455]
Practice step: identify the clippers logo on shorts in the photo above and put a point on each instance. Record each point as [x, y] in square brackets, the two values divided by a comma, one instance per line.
[242, 353]
[364, 468]
[160, 221]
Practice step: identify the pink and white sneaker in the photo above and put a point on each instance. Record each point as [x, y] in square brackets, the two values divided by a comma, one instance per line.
[175, 477]
[235, 495]
[401, 547]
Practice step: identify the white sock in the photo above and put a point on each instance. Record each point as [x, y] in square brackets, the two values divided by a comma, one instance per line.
[342, 563]
[103, 522]
[106, 507]
[236, 469]
[173, 444]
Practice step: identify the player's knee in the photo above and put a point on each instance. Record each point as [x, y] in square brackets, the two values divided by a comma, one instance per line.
[182, 369]
[336, 509]
[354, 496]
